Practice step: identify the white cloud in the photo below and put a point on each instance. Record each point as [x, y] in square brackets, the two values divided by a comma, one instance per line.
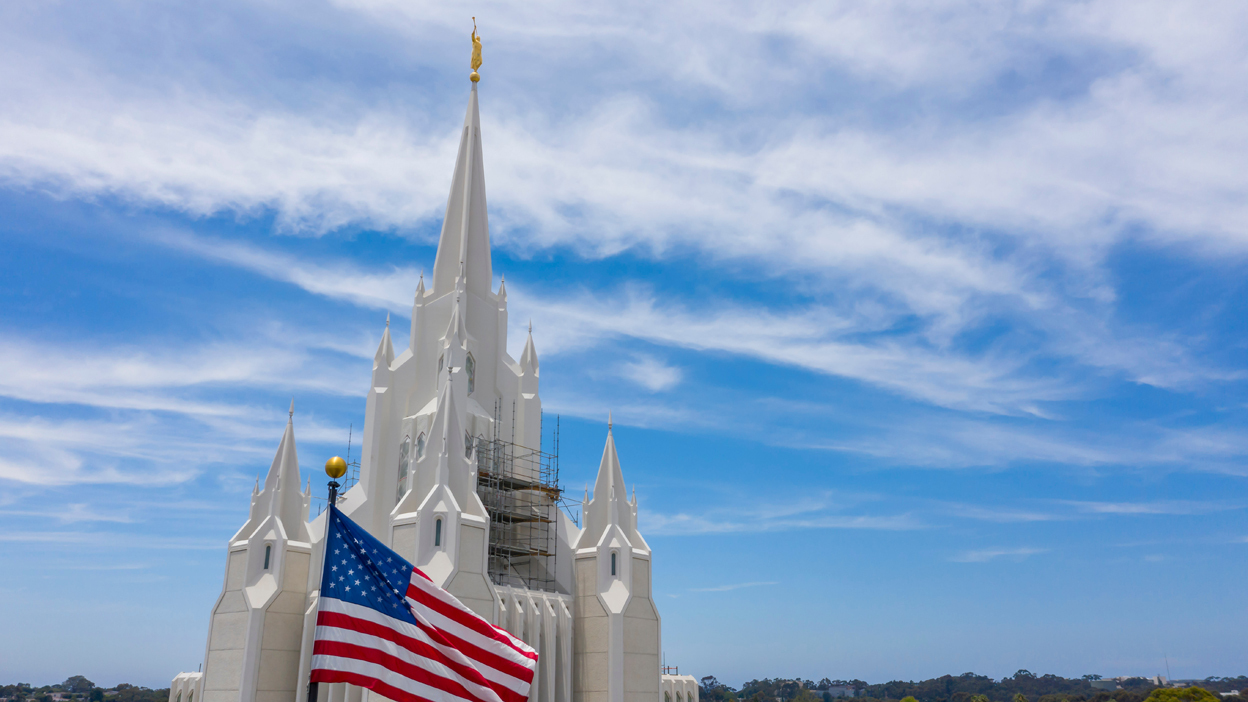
[651, 373]
[992, 554]
[737, 586]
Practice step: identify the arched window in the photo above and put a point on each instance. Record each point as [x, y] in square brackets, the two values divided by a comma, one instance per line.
[405, 460]
[678, 696]
[467, 445]
[613, 569]
[420, 446]
[437, 533]
[191, 698]
[470, 364]
[268, 549]
[667, 696]
[179, 696]
[441, 362]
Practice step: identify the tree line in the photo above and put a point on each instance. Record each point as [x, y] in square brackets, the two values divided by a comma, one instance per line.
[78, 689]
[1023, 686]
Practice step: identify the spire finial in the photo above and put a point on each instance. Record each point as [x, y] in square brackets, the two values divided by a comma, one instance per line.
[292, 408]
[530, 325]
[387, 320]
[476, 53]
[608, 420]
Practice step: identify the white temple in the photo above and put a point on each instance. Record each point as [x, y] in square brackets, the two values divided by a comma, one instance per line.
[452, 476]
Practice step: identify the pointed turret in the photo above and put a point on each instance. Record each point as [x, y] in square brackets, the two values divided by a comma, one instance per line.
[418, 306]
[465, 241]
[282, 496]
[383, 358]
[528, 361]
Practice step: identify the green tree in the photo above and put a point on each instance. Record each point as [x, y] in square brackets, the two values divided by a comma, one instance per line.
[78, 683]
[1182, 694]
[979, 698]
[908, 698]
[1020, 697]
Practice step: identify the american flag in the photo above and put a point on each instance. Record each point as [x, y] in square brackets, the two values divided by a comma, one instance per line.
[384, 625]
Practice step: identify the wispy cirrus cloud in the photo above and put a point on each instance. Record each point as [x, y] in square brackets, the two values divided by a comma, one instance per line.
[992, 554]
[735, 586]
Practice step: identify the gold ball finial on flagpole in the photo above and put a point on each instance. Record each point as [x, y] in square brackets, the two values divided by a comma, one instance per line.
[476, 53]
[335, 467]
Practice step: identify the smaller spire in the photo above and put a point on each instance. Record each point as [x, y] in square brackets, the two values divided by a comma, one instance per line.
[530, 325]
[609, 423]
[387, 320]
[256, 489]
[292, 409]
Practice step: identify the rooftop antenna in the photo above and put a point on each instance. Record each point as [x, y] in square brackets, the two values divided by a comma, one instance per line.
[1168, 678]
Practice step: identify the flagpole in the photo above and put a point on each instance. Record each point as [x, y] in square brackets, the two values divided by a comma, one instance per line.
[335, 468]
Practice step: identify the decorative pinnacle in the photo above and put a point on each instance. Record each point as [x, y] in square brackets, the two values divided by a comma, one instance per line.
[292, 408]
[476, 53]
[387, 320]
[608, 421]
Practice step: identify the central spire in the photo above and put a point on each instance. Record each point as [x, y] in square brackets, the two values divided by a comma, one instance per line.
[465, 241]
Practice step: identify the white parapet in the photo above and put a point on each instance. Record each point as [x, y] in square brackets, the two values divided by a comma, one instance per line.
[678, 688]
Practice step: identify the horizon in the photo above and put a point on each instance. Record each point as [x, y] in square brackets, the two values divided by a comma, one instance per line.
[922, 328]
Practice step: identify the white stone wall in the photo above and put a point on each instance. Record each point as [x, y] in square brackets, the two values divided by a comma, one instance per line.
[186, 687]
[679, 688]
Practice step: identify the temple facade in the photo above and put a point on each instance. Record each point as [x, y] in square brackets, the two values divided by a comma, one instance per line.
[454, 475]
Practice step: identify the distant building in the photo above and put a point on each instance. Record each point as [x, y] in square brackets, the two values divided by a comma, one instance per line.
[1110, 685]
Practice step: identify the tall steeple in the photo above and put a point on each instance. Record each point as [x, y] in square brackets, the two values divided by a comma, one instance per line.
[465, 241]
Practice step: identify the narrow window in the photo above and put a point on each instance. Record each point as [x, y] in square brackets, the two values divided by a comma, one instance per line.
[471, 365]
[268, 549]
[667, 696]
[420, 446]
[405, 454]
[179, 696]
[441, 362]
[467, 445]
[437, 533]
[678, 696]
[613, 571]
[191, 698]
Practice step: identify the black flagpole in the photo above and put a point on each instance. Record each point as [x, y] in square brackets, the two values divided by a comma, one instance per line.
[335, 468]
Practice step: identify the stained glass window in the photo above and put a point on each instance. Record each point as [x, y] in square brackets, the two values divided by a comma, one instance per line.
[437, 532]
[470, 364]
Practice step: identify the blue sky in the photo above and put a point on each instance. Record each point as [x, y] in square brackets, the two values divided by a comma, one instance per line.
[923, 324]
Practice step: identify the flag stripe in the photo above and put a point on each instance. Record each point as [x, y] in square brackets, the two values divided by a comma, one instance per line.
[375, 677]
[517, 681]
[412, 671]
[506, 688]
[440, 601]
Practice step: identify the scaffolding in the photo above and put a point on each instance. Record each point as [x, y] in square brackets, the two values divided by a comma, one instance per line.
[520, 489]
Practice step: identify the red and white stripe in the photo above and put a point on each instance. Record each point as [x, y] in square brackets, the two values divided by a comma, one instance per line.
[449, 655]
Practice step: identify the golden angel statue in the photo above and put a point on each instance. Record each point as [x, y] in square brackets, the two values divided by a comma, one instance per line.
[476, 52]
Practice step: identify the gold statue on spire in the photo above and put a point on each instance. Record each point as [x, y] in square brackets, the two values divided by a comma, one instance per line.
[476, 53]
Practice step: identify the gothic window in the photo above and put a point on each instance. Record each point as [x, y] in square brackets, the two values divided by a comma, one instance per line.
[678, 696]
[420, 446]
[470, 364]
[613, 567]
[441, 362]
[405, 460]
[467, 445]
[179, 696]
[667, 696]
[191, 698]
[437, 533]
[268, 549]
